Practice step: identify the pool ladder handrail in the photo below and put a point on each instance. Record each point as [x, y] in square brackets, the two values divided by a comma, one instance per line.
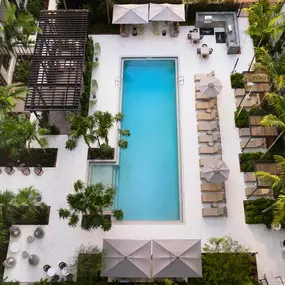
[118, 81]
[180, 80]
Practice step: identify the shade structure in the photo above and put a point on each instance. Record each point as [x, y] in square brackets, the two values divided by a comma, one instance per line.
[177, 258]
[126, 258]
[216, 171]
[210, 87]
[130, 14]
[167, 12]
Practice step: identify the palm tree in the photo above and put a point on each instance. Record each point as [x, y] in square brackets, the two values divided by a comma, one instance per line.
[16, 29]
[274, 67]
[277, 102]
[11, 204]
[277, 184]
[18, 133]
[265, 22]
[91, 201]
[8, 97]
[95, 128]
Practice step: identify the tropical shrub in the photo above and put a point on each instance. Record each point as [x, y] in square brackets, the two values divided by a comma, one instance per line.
[22, 71]
[241, 120]
[227, 262]
[35, 7]
[85, 97]
[91, 201]
[237, 80]
[253, 211]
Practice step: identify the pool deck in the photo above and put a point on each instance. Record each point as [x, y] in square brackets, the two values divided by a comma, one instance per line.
[60, 240]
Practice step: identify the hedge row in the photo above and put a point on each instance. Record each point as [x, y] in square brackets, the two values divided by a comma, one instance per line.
[253, 211]
[32, 157]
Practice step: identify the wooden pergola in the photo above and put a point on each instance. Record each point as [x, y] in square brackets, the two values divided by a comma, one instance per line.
[56, 73]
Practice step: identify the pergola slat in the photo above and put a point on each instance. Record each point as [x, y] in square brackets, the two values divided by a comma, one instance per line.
[56, 73]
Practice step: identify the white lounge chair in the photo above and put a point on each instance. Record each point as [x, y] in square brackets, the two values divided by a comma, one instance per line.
[208, 126]
[211, 187]
[205, 160]
[207, 116]
[212, 197]
[206, 105]
[214, 212]
[240, 92]
[199, 77]
[253, 143]
[244, 132]
[210, 149]
[249, 177]
[209, 138]
[259, 192]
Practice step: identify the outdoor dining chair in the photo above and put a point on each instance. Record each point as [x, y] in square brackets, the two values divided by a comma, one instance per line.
[62, 265]
[189, 37]
[211, 51]
[38, 170]
[55, 278]
[198, 51]
[9, 169]
[46, 268]
[204, 45]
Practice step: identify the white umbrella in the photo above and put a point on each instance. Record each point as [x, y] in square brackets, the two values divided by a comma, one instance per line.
[216, 171]
[126, 258]
[176, 258]
[210, 87]
[130, 14]
[167, 12]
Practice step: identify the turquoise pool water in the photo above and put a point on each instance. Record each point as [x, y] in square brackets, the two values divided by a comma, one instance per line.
[148, 181]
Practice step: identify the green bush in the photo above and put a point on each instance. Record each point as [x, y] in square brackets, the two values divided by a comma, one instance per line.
[237, 80]
[85, 97]
[53, 129]
[22, 71]
[35, 7]
[241, 120]
[253, 211]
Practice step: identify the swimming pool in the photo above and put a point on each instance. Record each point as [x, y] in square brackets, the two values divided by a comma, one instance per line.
[148, 175]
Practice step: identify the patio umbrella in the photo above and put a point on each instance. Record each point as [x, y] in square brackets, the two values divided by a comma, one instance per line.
[210, 87]
[126, 258]
[177, 258]
[167, 12]
[130, 14]
[215, 171]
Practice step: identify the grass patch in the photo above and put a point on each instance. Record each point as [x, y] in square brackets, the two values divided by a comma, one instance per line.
[253, 211]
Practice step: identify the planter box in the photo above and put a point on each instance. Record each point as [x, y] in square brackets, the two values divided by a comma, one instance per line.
[96, 154]
[35, 156]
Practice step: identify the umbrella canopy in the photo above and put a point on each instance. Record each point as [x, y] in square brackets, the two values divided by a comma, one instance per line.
[210, 87]
[126, 258]
[177, 258]
[216, 171]
[167, 12]
[130, 14]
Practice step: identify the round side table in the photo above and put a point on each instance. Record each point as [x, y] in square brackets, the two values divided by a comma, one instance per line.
[14, 247]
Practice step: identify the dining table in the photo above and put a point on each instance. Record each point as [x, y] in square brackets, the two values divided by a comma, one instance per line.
[195, 36]
[205, 51]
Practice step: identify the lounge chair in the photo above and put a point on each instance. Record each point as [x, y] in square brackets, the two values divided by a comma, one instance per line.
[198, 77]
[249, 177]
[253, 143]
[200, 96]
[205, 116]
[38, 170]
[208, 126]
[214, 212]
[251, 191]
[240, 92]
[211, 187]
[204, 160]
[206, 105]
[213, 197]
[210, 149]
[244, 132]
[209, 138]
[253, 101]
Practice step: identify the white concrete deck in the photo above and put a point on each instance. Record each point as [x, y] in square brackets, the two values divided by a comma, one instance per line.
[60, 241]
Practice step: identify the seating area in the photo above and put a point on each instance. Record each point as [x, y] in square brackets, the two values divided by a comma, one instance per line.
[10, 170]
[210, 148]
